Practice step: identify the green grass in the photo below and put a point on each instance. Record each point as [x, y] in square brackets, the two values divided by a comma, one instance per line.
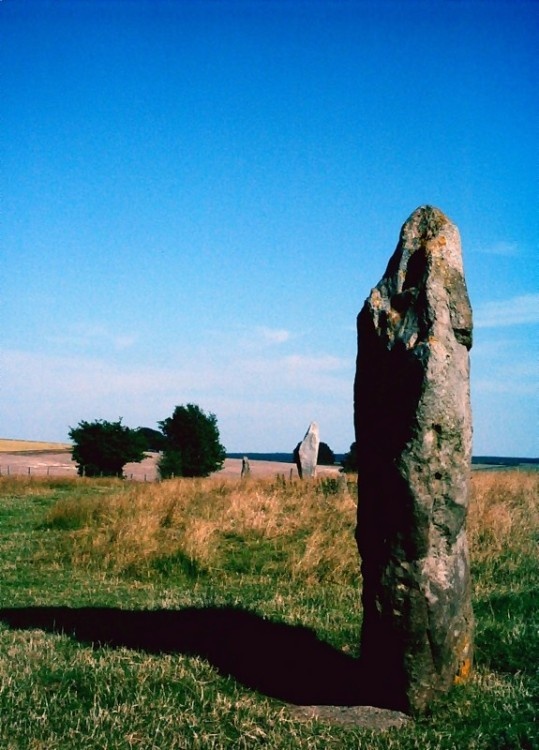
[282, 550]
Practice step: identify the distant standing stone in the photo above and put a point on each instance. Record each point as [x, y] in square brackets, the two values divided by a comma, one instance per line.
[308, 452]
[245, 468]
[413, 434]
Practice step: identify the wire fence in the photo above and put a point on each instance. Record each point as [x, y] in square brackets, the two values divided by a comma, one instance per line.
[145, 471]
[31, 470]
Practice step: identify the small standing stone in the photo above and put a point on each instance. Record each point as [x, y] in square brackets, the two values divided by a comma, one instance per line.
[245, 468]
[413, 434]
[308, 453]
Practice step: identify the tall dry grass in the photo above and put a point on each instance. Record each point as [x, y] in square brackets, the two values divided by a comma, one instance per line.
[504, 510]
[302, 530]
[503, 531]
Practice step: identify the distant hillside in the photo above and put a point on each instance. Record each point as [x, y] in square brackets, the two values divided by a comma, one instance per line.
[506, 461]
[494, 461]
[281, 457]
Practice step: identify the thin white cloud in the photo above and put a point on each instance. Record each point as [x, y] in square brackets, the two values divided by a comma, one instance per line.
[83, 336]
[272, 335]
[501, 386]
[124, 342]
[265, 402]
[296, 365]
[323, 363]
[81, 384]
[505, 367]
[502, 248]
[77, 376]
[323, 375]
[520, 310]
[243, 338]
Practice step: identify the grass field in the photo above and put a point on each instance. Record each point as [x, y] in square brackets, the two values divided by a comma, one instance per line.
[239, 578]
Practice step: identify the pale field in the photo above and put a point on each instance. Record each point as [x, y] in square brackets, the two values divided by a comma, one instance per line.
[56, 460]
[7, 445]
[39, 458]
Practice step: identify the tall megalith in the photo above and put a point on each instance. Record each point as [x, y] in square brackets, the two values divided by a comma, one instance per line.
[307, 457]
[413, 435]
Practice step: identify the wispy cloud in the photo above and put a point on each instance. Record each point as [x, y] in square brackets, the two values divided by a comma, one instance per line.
[272, 335]
[248, 338]
[89, 335]
[504, 386]
[520, 310]
[71, 387]
[502, 248]
[81, 377]
[323, 363]
[503, 367]
[319, 376]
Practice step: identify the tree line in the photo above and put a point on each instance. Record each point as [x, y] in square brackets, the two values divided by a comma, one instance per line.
[188, 443]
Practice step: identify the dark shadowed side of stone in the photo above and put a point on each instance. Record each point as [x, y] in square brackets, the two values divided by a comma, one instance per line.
[413, 436]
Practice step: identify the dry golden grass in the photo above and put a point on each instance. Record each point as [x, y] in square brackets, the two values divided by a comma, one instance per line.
[504, 509]
[30, 446]
[503, 531]
[304, 530]
[205, 521]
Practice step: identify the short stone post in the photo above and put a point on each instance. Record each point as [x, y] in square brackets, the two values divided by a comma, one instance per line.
[413, 434]
[308, 453]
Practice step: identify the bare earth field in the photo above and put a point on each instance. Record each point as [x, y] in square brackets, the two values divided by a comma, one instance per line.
[60, 463]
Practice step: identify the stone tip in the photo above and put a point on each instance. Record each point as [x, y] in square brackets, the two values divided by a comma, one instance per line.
[427, 221]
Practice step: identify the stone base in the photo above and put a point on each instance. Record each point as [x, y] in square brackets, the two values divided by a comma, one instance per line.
[365, 717]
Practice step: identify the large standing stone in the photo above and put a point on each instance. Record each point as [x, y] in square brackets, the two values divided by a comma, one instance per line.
[308, 452]
[413, 435]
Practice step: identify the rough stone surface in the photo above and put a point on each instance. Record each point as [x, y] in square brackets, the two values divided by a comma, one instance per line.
[245, 468]
[308, 452]
[413, 435]
[365, 717]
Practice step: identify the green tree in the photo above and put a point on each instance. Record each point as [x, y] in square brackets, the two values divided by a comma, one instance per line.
[326, 457]
[192, 446]
[155, 440]
[349, 462]
[102, 448]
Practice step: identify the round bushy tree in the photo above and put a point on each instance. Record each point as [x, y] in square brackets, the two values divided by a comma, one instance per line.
[102, 448]
[192, 447]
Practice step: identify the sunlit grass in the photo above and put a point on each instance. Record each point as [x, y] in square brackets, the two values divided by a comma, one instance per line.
[284, 549]
[211, 526]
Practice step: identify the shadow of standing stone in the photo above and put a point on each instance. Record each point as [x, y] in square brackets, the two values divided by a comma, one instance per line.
[413, 434]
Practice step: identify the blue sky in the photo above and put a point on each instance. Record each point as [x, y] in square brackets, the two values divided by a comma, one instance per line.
[199, 195]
